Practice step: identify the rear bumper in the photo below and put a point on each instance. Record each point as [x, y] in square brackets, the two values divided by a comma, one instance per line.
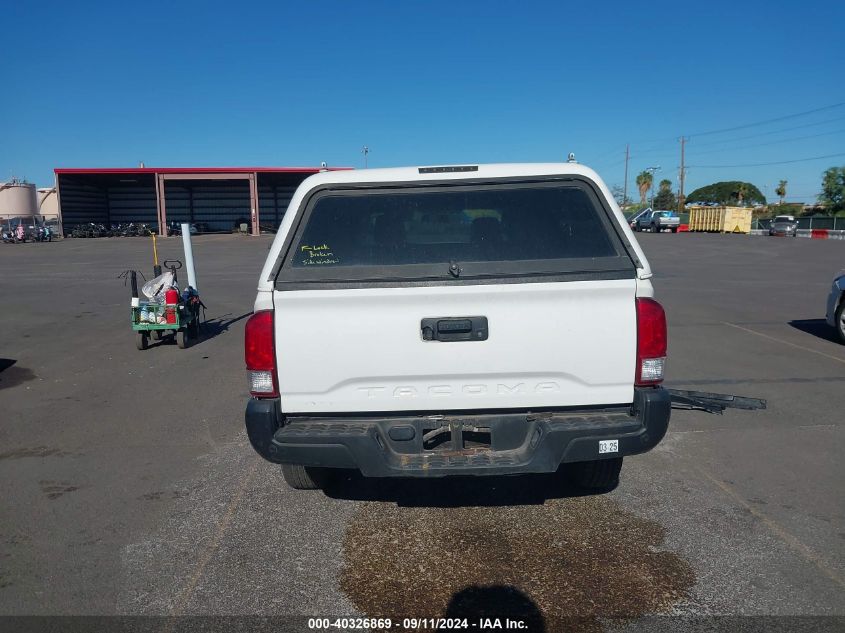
[470, 444]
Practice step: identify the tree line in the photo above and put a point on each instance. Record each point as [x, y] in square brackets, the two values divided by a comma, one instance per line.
[734, 192]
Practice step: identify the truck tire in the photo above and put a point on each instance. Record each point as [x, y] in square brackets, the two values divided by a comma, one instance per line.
[182, 339]
[840, 320]
[304, 477]
[674, 229]
[141, 340]
[598, 474]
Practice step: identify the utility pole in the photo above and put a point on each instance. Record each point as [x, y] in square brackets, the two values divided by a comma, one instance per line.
[681, 178]
[365, 151]
[625, 187]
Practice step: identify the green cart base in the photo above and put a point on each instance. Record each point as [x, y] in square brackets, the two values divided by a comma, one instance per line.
[184, 323]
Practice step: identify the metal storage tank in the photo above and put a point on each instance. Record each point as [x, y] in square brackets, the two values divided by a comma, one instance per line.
[48, 203]
[17, 199]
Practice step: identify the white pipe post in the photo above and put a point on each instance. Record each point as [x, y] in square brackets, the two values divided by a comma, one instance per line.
[189, 256]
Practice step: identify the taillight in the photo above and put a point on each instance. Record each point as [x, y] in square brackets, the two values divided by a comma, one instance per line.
[651, 342]
[260, 355]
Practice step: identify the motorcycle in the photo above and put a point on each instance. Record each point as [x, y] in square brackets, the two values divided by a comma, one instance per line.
[43, 234]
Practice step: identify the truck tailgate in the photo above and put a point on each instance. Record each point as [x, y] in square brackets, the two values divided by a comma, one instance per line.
[548, 345]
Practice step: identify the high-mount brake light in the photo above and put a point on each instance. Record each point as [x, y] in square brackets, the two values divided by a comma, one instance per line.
[260, 355]
[651, 342]
[448, 169]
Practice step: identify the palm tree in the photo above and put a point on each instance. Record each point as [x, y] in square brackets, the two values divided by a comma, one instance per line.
[780, 190]
[665, 185]
[740, 193]
[644, 180]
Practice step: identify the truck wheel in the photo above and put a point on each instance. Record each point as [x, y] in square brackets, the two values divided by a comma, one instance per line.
[141, 340]
[840, 319]
[598, 474]
[304, 477]
[674, 229]
[182, 339]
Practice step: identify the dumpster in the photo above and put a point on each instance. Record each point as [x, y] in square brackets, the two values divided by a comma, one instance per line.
[720, 219]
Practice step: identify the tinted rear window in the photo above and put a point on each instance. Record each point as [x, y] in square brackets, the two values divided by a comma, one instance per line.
[496, 224]
[454, 232]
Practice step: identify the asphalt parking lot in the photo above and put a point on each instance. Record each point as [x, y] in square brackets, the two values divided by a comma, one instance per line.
[127, 485]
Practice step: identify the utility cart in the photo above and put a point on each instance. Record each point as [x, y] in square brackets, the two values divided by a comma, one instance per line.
[177, 315]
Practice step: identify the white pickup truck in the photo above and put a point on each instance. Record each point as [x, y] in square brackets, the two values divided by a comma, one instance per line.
[459, 320]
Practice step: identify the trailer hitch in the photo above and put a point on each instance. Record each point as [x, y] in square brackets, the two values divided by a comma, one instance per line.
[712, 402]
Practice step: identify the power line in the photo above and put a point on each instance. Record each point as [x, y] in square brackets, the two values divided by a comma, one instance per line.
[606, 155]
[759, 134]
[782, 162]
[775, 120]
[783, 140]
[649, 146]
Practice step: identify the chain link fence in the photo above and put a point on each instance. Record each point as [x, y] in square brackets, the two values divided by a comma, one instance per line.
[817, 222]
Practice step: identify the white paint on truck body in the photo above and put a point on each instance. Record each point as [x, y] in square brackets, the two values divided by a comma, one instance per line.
[550, 345]
[356, 350]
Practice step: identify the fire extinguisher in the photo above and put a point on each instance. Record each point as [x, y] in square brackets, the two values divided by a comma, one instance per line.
[171, 298]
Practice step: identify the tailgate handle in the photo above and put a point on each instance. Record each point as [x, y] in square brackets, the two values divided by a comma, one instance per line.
[454, 326]
[454, 329]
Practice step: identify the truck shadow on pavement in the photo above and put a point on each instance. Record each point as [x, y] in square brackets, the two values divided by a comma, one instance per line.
[12, 374]
[456, 492]
[817, 327]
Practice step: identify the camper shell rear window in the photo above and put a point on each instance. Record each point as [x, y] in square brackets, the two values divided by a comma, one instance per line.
[449, 232]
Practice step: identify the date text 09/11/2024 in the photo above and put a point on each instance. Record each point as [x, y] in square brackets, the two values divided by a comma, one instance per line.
[482, 624]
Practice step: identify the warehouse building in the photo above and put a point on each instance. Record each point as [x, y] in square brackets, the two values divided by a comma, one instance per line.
[217, 198]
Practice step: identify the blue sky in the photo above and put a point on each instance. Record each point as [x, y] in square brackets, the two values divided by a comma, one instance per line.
[273, 83]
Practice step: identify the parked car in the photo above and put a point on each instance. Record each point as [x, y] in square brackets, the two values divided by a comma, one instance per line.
[462, 320]
[836, 306]
[657, 221]
[785, 225]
